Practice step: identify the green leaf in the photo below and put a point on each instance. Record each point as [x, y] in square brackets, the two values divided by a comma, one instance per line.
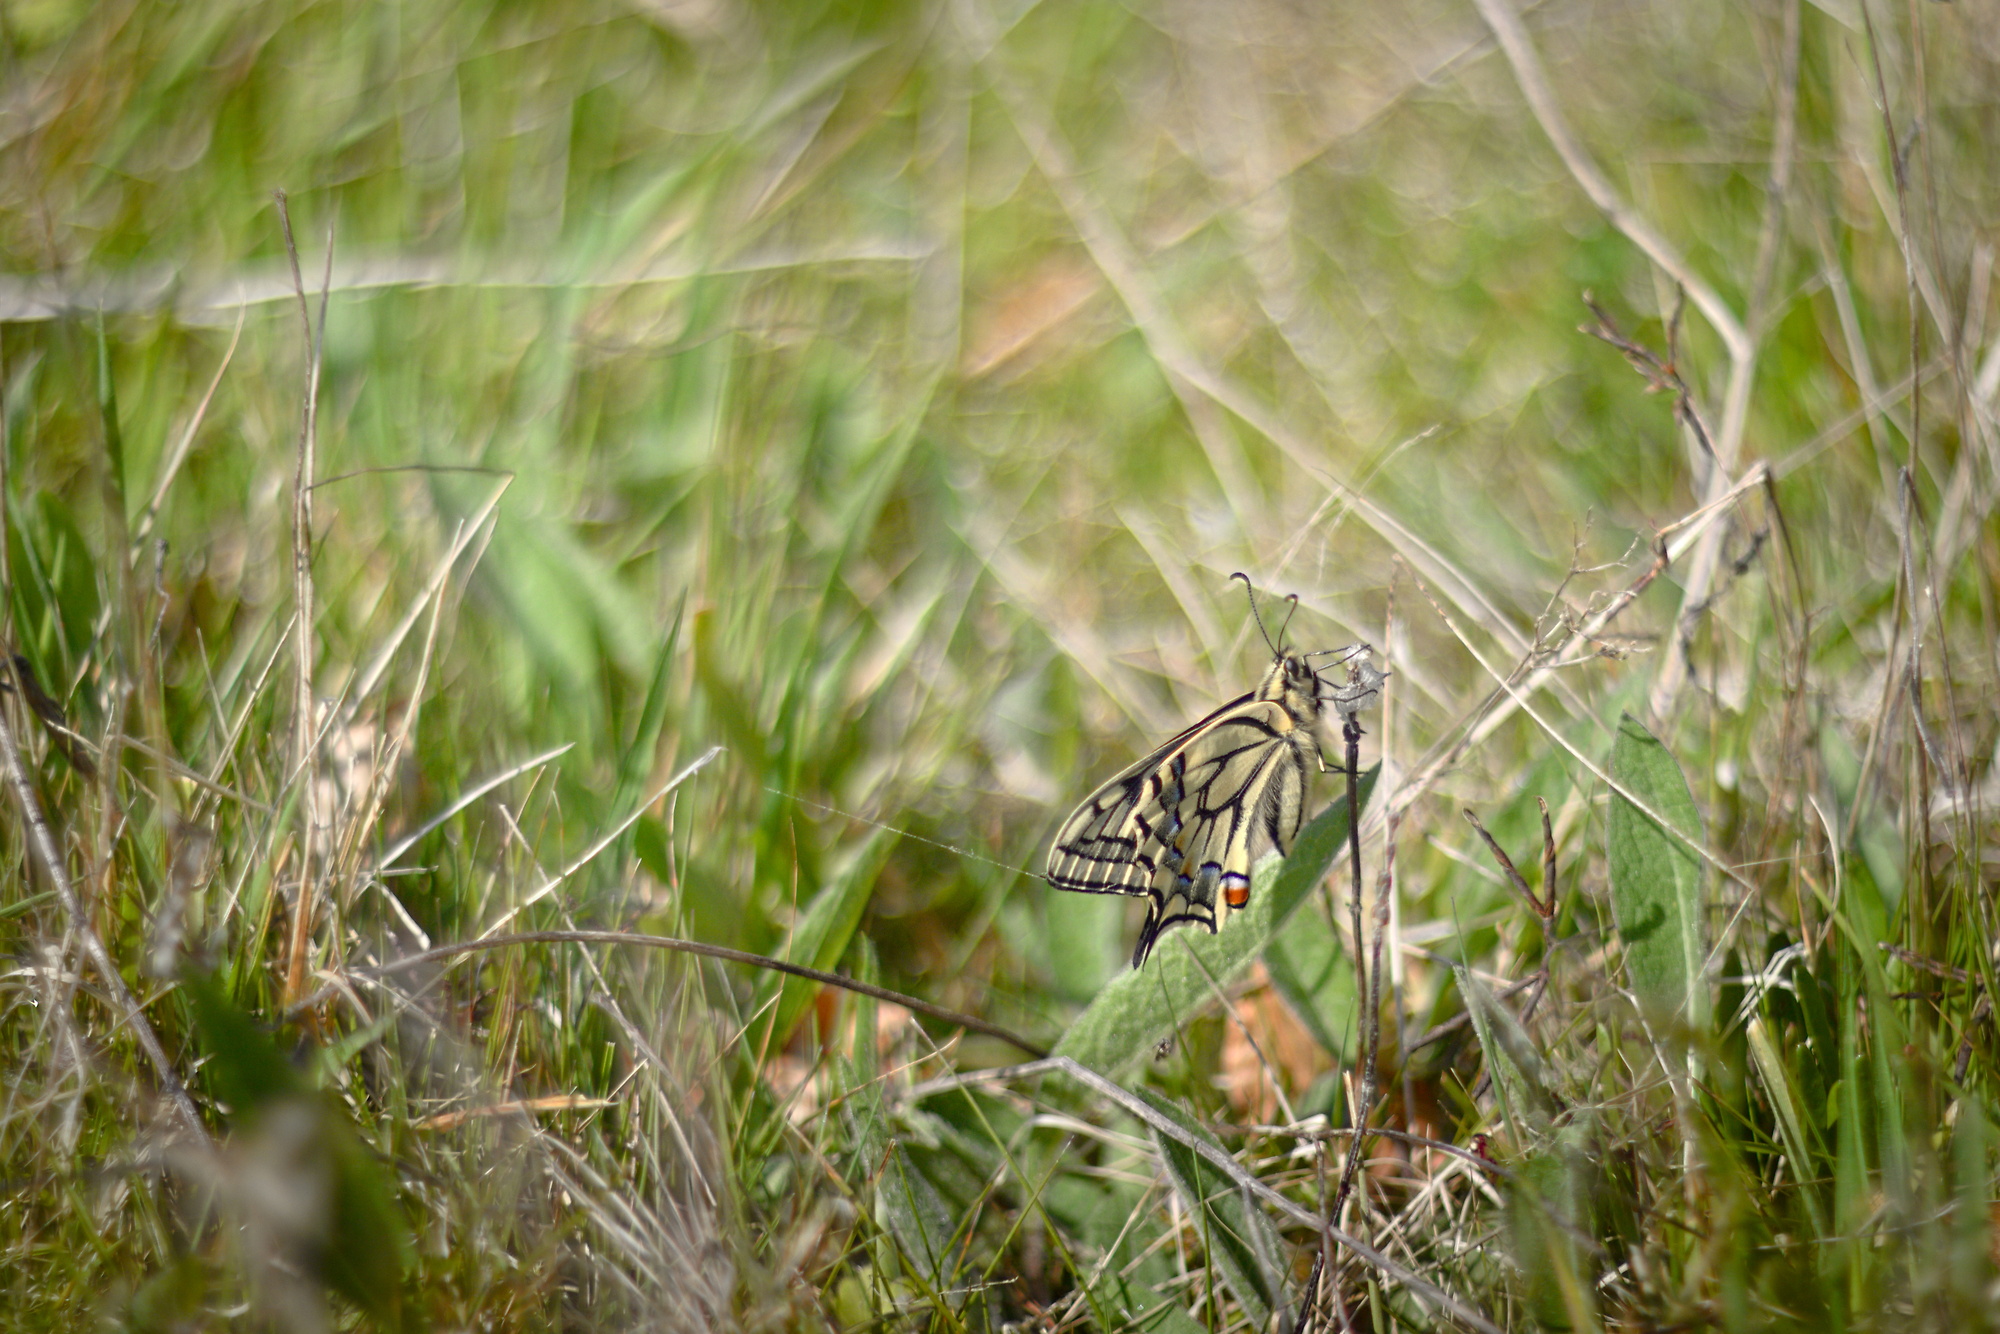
[1131, 1285]
[1511, 1059]
[1971, 1270]
[170, 1298]
[368, 1247]
[819, 939]
[1312, 974]
[911, 1208]
[1139, 1008]
[1548, 1211]
[1656, 880]
[244, 1067]
[1239, 1239]
[650, 846]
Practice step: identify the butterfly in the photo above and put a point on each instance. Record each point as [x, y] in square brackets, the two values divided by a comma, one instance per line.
[1185, 824]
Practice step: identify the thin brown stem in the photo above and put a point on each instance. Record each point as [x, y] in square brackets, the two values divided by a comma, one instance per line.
[303, 747]
[1514, 876]
[1368, 1029]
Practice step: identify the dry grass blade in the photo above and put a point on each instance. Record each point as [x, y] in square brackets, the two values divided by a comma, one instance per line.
[553, 882]
[305, 747]
[172, 467]
[560, 1102]
[42, 839]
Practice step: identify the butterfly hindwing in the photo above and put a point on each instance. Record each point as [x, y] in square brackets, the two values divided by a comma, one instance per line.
[1182, 826]
[1248, 802]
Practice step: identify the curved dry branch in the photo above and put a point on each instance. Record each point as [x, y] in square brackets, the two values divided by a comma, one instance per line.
[460, 949]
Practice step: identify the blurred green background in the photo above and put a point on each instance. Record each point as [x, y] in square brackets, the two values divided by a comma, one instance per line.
[886, 392]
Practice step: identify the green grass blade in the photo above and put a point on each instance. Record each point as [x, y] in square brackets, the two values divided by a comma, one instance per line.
[57, 595]
[1240, 1240]
[819, 939]
[1511, 1059]
[1783, 1093]
[636, 765]
[107, 409]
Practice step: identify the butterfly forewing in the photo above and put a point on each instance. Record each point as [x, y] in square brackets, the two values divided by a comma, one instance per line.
[1112, 844]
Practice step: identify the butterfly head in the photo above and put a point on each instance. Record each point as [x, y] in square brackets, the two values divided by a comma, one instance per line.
[1292, 683]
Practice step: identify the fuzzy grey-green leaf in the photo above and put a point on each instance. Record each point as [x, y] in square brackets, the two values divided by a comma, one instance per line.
[1656, 878]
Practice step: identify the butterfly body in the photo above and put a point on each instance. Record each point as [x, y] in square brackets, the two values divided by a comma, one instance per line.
[1183, 826]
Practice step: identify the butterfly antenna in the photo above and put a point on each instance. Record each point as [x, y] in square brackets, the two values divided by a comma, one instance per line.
[1258, 615]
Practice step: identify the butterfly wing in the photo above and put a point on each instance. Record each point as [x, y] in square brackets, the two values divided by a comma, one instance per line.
[1183, 825]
